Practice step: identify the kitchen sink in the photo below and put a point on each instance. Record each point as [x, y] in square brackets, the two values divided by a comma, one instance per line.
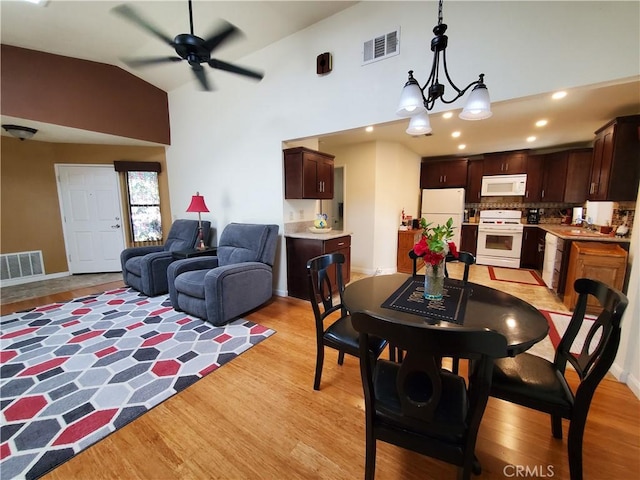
[578, 232]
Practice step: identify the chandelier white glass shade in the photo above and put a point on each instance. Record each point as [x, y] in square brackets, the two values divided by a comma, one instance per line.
[419, 124]
[417, 101]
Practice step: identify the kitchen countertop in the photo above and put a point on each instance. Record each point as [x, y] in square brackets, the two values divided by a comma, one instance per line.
[318, 236]
[573, 232]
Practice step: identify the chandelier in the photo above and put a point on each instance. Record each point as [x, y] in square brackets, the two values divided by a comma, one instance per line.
[416, 101]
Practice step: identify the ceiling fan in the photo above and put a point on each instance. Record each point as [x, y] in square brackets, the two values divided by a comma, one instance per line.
[195, 50]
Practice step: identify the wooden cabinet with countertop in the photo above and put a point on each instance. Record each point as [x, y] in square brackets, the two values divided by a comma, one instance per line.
[443, 173]
[606, 262]
[301, 249]
[307, 174]
[406, 240]
[615, 168]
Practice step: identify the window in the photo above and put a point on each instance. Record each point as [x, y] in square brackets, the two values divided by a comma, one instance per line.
[144, 206]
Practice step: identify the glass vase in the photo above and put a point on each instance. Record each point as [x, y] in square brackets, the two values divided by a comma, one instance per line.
[434, 280]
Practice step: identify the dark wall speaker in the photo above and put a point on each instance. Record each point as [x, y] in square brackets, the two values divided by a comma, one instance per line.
[324, 63]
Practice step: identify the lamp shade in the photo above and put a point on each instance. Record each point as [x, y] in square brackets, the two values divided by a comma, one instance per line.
[419, 124]
[411, 101]
[478, 106]
[197, 204]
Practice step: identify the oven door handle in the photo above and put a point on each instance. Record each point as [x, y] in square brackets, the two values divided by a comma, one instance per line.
[499, 230]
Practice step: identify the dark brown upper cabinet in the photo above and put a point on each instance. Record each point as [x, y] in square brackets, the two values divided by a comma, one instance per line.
[307, 174]
[505, 163]
[444, 173]
[615, 169]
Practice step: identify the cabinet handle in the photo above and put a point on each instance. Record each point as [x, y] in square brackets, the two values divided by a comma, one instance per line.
[445, 179]
[542, 193]
[340, 244]
[526, 195]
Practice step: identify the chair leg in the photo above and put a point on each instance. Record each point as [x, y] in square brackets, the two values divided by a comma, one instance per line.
[392, 353]
[340, 357]
[574, 445]
[556, 426]
[319, 362]
[370, 457]
[455, 364]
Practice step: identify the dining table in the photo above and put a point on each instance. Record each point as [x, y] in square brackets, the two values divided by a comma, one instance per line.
[397, 298]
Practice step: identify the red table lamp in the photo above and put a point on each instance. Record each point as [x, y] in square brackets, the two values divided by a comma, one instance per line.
[198, 206]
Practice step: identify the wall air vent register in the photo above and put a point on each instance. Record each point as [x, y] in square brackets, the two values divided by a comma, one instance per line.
[381, 47]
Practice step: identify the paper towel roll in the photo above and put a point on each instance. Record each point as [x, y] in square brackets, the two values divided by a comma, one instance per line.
[600, 213]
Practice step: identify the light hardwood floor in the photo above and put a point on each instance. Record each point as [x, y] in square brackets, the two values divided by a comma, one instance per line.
[259, 417]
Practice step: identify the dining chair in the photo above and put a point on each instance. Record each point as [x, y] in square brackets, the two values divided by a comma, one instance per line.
[537, 383]
[326, 286]
[465, 257]
[416, 404]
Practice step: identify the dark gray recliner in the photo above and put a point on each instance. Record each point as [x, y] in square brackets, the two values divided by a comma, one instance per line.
[239, 279]
[145, 268]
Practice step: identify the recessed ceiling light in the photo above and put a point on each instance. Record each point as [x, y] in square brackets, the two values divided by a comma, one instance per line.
[541, 123]
[462, 146]
[447, 115]
[369, 129]
[531, 139]
[559, 95]
[455, 134]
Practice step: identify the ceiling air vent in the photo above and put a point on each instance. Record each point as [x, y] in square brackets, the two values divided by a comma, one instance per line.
[381, 47]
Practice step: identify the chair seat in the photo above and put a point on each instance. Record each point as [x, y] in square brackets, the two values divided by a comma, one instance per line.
[342, 334]
[532, 377]
[191, 283]
[449, 421]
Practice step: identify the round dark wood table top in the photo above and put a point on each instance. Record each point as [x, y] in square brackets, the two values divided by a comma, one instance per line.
[484, 307]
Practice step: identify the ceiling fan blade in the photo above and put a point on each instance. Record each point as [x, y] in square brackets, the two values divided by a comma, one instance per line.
[225, 32]
[130, 14]
[201, 75]
[219, 64]
[149, 61]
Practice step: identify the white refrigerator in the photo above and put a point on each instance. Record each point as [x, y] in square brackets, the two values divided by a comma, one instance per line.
[440, 204]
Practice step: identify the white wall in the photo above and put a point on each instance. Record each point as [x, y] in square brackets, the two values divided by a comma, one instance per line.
[227, 144]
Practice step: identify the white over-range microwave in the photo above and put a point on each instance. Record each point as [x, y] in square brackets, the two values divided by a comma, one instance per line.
[504, 185]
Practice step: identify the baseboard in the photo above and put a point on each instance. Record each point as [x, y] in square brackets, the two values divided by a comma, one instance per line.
[625, 377]
[38, 278]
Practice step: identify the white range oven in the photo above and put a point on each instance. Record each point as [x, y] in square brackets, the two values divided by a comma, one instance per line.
[499, 238]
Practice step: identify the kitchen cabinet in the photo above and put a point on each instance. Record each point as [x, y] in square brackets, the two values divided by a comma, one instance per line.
[535, 172]
[443, 173]
[559, 176]
[554, 177]
[615, 168]
[530, 254]
[307, 174]
[578, 174]
[469, 239]
[600, 261]
[406, 240]
[505, 163]
[301, 250]
[474, 181]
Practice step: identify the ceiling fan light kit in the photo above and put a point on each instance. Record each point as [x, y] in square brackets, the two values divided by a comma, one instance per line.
[415, 104]
[195, 50]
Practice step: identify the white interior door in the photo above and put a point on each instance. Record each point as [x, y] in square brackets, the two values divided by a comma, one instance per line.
[92, 217]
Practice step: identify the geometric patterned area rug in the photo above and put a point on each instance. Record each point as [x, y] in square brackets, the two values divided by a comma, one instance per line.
[515, 275]
[72, 373]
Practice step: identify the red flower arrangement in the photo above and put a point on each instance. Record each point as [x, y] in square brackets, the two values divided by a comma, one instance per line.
[435, 242]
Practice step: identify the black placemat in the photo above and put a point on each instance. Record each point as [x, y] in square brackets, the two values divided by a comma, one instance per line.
[409, 298]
